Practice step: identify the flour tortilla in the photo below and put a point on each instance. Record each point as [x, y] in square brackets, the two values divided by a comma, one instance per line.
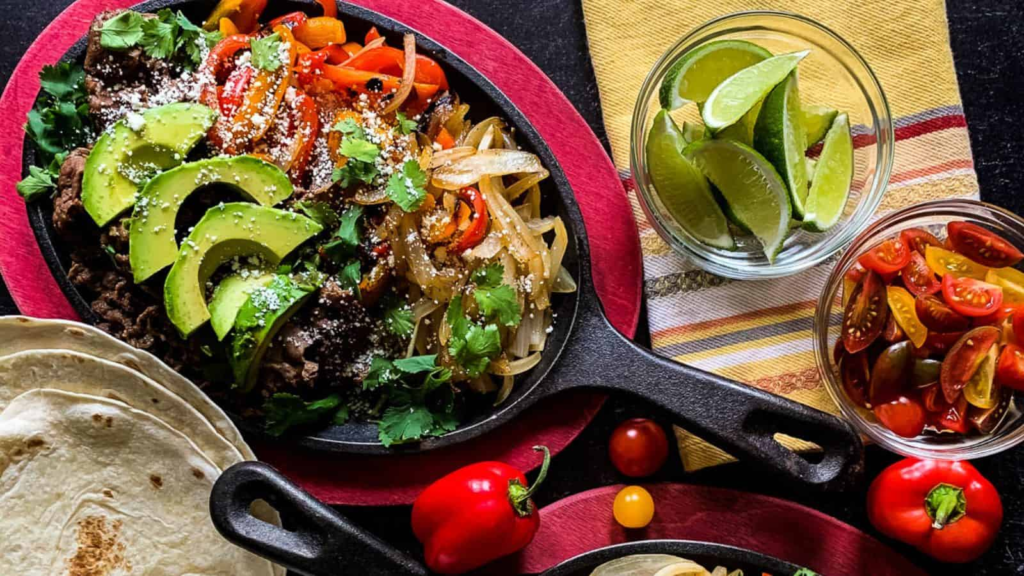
[84, 374]
[93, 486]
[19, 333]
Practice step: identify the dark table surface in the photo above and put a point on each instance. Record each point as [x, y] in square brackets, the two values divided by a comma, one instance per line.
[989, 56]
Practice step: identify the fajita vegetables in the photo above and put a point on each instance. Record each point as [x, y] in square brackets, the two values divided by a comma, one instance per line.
[668, 565]
[308, 225]
[931, 331]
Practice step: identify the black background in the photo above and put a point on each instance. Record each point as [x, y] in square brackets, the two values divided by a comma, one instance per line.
[988, 52]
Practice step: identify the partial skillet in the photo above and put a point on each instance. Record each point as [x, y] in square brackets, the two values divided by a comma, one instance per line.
[321, 542]
[584, 350]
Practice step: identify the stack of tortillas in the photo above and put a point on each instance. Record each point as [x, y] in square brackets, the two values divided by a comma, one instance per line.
[107, 459]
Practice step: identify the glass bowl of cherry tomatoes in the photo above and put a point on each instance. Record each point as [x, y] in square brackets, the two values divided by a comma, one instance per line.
[919, 333]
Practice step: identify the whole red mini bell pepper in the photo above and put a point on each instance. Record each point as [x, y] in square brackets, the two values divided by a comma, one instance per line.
[476, 514]
[947, 510]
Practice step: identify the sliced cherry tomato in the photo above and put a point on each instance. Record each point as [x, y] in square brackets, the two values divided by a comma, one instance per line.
[954, 417]
[944, 262]
[638, 447]
[904, 416]
[633, 507]
[918, 239]
[925, 372]
[1010, 368]
[856, 376]
[982, 246]
[891, 373]
[997, 318]
[893, 333]
[886, 258]
[1010, 280]
[901, 304]
[971, 297]
[941, 342]
[866, 313]
[918, 277]
[985, 421]
[964, 358]
[1018, 328]
[852, 277]
[372, 35]
[981, 389]
[932, 400]
[937, 315]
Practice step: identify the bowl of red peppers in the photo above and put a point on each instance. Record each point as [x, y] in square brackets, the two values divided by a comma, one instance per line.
[919, 332]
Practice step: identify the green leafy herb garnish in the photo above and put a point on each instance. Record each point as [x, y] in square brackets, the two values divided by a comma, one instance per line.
[361, 156]
[406, 188]
[320, 212]
[354, 170]
[359, 149]
[160, 35]
[418, 402]
[266, 52]
[349, 127]
[284, 411]
[496, 300]
[40, 181]
[122, 31]
[347, 237]
[350, 277]
[471, 345]
[405, 126]
[399, 319]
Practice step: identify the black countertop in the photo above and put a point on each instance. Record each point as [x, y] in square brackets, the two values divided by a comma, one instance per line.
[989, 56]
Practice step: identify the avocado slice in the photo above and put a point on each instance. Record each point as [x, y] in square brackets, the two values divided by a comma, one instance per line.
[151, 245]
[229, 296]
[226, 231]
[261, 316]
[133, 149]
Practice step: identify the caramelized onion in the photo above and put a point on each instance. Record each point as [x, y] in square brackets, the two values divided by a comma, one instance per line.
[472, 169]
[408, 75]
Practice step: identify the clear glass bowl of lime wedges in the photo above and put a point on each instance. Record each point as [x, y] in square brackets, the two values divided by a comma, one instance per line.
[761, 145]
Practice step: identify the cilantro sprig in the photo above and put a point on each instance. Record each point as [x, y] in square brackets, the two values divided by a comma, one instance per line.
[361, 153]
[284, 411]
[346, 238]
[266, 52]
[399, 319]
[405, 126]
[471, 345]
[418, 401]
[496, 301]
[407, 187]
[167, 36]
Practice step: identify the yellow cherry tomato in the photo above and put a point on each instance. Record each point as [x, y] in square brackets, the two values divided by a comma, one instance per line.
[634, 507]
[901, 303]
[943, 261]
[1010, 280]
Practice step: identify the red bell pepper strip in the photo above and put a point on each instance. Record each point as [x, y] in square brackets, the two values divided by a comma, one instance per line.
[392, 61]
[478, 220]
[947, 510]
[476, 514]
[372, 35]
[344, 77]
[234, 90]
[330, 8]
[215, 66]
[291, 20]
[303, 129]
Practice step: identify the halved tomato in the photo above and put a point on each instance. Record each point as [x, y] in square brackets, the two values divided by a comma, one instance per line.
[932, 399]
[838, 351]
[982, 246]
[891, 373]
[925, 372]
[892, 332]
[941, 342]
[996, 318]
[938, 316]
[964, 359]
[1010, 280]
[954, 417]
[1018, 328]
[971, 297]
[852, 277]
[865, 314]
[918, 239]
[1010, 368]
[982, 390]
[944, 262]
[855, 375]
[918, 277]
[886, 258]
[901, 305]
[986, 420]
[905, 416]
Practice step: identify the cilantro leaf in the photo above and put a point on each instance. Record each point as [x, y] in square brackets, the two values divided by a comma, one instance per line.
[382, 372]
[351, 276]
[122, 31]
[192, 39]
[407, 188]
[501, 303]
[58, 122]
[350, 127]
[36, 184]
[405, 126]
[399, 320]
[354, 170]
[63, 81]
[489, 276]
[284, 411]
[413, 411]
[417, 364]
[159, 35]
[319, 212]
[359, 149]
[472, 346]
[405, 422]
[266, 52]
[347, 237]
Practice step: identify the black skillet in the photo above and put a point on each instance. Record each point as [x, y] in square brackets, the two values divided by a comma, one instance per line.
[583, 350]
[321, 542]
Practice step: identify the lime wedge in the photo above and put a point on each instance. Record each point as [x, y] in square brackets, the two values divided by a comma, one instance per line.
[832, 176]
[817, 120]
[812, 165]
[682, 188]
[743, 130]
[692, 131]
[738, 93]
[696, 74]
[756, 196]
[779, 135]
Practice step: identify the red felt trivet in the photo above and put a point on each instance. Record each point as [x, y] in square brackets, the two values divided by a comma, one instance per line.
[614, 244]
[778, 528]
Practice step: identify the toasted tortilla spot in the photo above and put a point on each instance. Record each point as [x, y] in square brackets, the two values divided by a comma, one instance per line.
[100, 551]
[198, 473]
[97, 418]
[110, 421]
[131, 364]
[35, 443]
[18, 452]
[76, 332]
[156, 481]
[108, 493]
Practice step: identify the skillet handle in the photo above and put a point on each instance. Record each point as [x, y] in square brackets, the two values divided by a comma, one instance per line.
[735, 417]
[319, 541]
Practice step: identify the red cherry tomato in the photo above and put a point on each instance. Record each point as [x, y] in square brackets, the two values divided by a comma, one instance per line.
[982, 246]
[918, 277]
[938, 316]
[886, 258]
[996, 318]
[919, 239]
[971, 297]
[954, 417]
[1010, 368]
[638, 447]
[904, 416]
[1018, 328]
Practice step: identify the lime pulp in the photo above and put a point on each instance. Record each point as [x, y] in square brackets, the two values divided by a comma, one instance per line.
[738, 93]
[817, 120]
[832, 176]
[695, 75]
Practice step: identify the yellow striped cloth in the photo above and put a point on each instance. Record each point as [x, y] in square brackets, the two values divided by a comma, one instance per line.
[760, 332]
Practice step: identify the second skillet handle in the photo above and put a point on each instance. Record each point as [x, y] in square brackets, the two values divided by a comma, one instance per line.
[318, 542]
[737, 418]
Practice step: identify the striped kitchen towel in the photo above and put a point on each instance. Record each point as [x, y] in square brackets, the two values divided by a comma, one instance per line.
[759, 332]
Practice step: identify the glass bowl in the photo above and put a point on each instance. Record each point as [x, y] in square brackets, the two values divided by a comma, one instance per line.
[932, 216]
[833, 74]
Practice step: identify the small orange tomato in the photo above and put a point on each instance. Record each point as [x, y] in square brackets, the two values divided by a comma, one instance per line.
[634, 507]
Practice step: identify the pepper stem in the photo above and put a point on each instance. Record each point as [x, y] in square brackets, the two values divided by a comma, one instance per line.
[945, 504]
[519, 495]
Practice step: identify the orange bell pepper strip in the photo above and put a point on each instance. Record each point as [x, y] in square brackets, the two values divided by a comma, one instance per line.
[320, 31]
[248, 15]
[476, 229]
[227, 27]
[392, 61]
[223, 9]
[330, 8]
[305, 123]
[444, 138]
[345, 77]
[352, 48]
[372, 35]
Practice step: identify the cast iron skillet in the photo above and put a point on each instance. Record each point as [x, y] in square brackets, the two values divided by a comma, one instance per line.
[321, 542]
[583, 350]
